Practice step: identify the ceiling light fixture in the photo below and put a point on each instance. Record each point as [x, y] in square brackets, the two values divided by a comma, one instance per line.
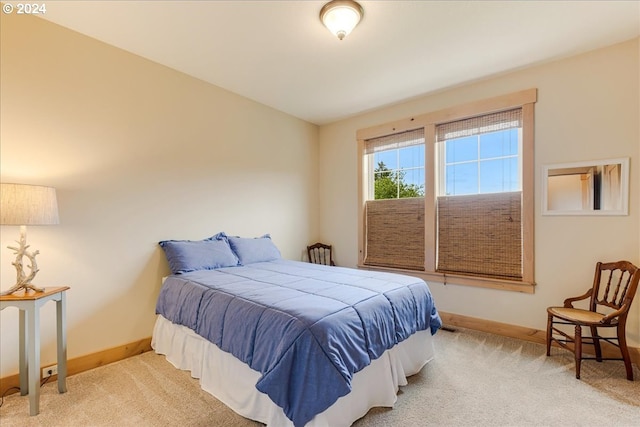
[341, 16]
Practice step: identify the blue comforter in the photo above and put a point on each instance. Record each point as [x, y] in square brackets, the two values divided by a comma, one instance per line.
[307, 328]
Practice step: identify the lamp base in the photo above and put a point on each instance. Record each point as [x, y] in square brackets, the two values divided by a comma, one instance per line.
[23, 280]
[27, 287]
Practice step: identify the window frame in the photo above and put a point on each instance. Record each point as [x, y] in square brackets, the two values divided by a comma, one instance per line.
[524, 99]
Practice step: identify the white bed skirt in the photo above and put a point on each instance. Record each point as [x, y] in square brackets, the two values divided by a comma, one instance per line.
[233, 382]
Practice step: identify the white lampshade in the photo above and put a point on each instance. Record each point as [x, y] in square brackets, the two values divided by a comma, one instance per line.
[341, 16]
[22, 204]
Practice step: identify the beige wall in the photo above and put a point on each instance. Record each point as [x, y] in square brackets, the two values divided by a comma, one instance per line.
[588, 108]
[138, 153]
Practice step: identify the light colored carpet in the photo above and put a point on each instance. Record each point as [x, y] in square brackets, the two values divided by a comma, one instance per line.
[477, 379]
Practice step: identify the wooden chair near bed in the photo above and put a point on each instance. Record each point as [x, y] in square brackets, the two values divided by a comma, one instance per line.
[320, 253]
[614, 286]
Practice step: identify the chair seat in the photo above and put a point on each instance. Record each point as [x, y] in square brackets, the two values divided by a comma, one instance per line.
[576, 315]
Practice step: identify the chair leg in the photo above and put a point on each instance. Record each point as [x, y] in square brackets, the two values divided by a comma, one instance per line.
[578, 349]
[596, 343]
[622, 340]
[549, 333]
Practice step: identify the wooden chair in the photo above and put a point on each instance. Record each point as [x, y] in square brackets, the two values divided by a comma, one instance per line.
[608, 308]
[319, 253]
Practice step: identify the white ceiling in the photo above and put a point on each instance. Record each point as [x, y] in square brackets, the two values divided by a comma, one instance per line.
[278, 53]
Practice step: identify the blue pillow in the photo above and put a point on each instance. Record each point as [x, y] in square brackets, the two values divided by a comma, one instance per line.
[250, 250]
[191, 255]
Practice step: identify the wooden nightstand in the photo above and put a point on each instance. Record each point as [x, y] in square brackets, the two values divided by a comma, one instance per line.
[29, 304]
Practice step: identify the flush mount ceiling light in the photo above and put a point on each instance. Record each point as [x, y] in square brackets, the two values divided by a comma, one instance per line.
[341, 16]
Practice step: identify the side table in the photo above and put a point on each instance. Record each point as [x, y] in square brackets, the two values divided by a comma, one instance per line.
[29, 304]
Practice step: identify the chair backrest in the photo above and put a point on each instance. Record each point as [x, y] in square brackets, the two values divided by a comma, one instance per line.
[614, 285]
[320, 253]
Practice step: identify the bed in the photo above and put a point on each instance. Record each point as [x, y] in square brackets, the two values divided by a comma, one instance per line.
[286, 342]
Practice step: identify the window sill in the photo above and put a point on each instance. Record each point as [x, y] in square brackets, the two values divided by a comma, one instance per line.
[453, 279]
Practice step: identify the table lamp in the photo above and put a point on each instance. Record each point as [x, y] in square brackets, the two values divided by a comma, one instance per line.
[22, 204]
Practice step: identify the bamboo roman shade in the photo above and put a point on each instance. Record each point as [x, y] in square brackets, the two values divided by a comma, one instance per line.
[395, 233]
[394, 141]
[494, 122]
[481, 235]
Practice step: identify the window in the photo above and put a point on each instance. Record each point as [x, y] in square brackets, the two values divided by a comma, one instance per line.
[479, 226]
[396, 165]
[394, 205]
[467, 208]
[483, 163]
